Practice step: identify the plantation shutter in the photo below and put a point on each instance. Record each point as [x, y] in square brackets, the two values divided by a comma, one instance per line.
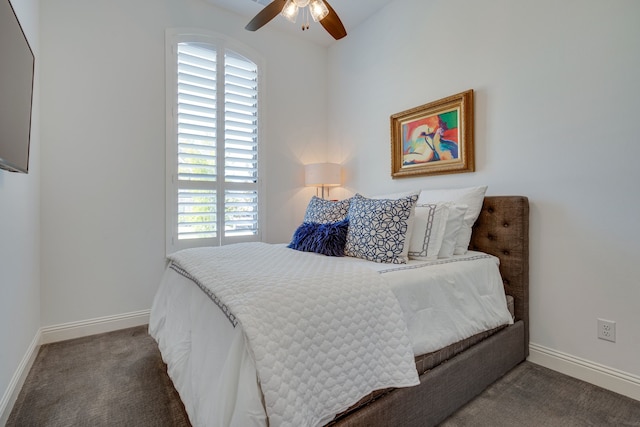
[240, 145]
[197, 136]
[217, 145]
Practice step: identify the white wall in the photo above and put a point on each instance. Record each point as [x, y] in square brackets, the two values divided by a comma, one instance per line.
[103, 126]
[20, 236]
[557, 99]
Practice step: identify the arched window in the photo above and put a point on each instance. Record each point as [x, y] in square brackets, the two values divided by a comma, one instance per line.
[213, 176]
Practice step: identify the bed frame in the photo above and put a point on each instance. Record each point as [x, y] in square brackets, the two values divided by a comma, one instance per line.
[502, 229]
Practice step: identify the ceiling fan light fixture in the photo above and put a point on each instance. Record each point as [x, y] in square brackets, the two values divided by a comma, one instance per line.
[290, 11]
[318, 10]
[321, 11]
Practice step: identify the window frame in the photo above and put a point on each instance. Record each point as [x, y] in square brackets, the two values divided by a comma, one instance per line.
[220, 43]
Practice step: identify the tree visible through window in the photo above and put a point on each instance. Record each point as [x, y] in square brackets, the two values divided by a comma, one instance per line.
[214, 146]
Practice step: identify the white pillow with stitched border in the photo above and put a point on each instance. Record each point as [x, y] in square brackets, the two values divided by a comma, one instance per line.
[429, 225]
[473, 197]
[378, 228]
[455, 220]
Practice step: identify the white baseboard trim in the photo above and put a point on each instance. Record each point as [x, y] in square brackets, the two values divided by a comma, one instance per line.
[17, 381]
[99, 325]
[585, 370]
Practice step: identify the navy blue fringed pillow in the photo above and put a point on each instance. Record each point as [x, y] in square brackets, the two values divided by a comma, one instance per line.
[326, 239]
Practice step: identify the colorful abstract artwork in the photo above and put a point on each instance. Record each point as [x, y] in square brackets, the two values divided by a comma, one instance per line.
[434, 138]
[430, 139]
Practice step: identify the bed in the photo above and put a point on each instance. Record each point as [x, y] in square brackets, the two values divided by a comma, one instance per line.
[447, 377]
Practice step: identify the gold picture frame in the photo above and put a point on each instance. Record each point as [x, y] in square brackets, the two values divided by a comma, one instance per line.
[435, 138]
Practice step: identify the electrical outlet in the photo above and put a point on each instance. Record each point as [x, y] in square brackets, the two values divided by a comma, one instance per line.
[607, 330]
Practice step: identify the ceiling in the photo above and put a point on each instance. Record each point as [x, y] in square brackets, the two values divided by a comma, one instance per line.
[351, 12]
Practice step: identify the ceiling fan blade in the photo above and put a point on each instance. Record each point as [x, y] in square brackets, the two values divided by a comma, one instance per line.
[333, 24]
[265, 15]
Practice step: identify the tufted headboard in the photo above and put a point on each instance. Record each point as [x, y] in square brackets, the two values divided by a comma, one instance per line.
[502, 229]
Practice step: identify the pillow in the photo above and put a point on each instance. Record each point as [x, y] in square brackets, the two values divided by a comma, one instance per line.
[396, 196]
[378, 228]
[326, 239]
[401, 195]
[455, 220]
[470, 196]
[323, 211]
[429, 226]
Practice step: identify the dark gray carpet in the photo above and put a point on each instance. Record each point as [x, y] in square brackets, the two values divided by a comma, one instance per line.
[119, 379]
[533, 396]
[112, 379]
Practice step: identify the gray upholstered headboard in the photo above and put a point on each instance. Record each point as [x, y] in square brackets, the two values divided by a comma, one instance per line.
[502, 229]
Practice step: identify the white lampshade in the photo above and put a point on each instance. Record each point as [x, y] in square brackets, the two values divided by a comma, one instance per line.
[323, 175]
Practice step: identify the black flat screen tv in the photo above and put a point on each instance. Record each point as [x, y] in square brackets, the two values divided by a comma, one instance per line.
[16, 92]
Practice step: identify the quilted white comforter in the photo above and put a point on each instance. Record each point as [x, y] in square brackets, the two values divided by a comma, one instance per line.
[322, 332]
[211, 363]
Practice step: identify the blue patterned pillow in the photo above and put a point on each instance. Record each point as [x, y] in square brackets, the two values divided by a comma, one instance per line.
[326, 239]
[323, 211]
[378, 228]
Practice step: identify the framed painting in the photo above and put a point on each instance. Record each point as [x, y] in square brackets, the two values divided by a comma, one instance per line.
[433, 139]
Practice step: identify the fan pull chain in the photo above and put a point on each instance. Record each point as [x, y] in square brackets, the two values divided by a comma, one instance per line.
[305, 17]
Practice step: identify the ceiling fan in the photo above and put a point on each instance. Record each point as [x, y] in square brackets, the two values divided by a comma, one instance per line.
[320, 10]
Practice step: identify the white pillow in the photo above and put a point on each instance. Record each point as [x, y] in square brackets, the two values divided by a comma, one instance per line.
[429, 225]
[470, 196]
[455, 220]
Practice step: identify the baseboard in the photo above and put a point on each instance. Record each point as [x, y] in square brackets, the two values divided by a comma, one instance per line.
[594, 373]
[67, 331]
[17, 381]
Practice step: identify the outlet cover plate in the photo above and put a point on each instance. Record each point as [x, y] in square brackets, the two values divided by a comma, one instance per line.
[607, 330]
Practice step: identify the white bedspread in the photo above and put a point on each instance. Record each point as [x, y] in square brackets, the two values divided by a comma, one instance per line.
[213, 370]
[322, 332]
[445, 301]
